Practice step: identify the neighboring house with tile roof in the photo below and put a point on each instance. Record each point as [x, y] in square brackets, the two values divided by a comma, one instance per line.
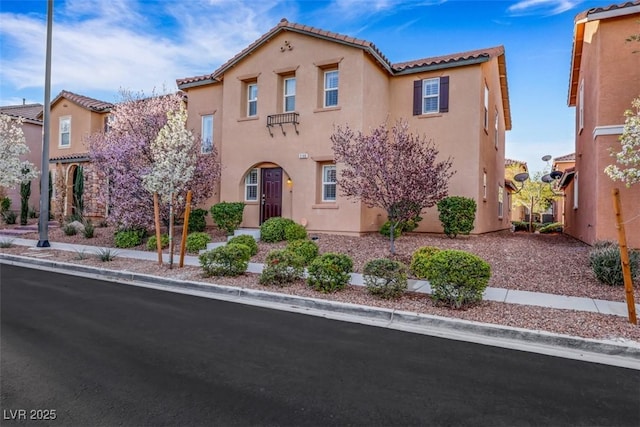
[271, 109]
[73, 118]
[513, 167]
[604, 79]
[566, 165]
[32, 129]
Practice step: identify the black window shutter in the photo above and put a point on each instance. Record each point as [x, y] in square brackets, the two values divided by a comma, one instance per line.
[417, 97]
[444, 94]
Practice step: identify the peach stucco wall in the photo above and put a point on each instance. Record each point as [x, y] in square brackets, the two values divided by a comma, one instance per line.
[368, 96]
[83, 123]
[609, 70]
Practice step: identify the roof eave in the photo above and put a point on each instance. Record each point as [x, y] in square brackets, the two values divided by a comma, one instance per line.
[203, 82]
[442, 66]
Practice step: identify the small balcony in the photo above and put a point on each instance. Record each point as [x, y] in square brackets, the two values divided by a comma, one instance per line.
[283, 119]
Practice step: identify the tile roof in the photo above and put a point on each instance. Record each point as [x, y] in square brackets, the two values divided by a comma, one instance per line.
[84, 101]
[566, 158]
[610, 8]
[26, 111]
[68, 158]
[491, 52]
[511, 162]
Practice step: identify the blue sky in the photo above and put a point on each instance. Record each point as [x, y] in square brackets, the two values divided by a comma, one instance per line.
[100, 46]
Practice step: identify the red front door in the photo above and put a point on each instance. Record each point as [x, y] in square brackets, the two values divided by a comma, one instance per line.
[271, 193]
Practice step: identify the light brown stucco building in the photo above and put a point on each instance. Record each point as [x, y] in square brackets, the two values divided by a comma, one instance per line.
[271, 109]
[605, 78]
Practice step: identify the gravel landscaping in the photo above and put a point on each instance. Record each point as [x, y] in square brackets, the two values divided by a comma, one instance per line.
[549, 263]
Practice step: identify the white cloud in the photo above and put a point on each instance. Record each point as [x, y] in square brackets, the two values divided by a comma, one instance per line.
[543, 7]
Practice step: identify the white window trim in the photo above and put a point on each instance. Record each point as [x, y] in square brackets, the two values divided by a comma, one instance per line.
[581, 106]
[60, 144]
[500, 202]
[250, 100]
[202, 130]
[575, 191]
[486, 106]
[336, 89]
[286, 95]
[326, 183]
[496, 126]
[437, 96]
[248, 184]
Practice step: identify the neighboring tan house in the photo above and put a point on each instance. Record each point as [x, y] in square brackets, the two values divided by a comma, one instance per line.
[605, 78]
[73, 118]
[32, 129]
[271, 109]
[512, 168]
[564, 164]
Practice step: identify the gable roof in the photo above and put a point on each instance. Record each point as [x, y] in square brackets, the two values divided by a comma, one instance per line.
[84, 101]
[566, 158]
[593, 14]
[512, 162]
[401, 68]
[29, 112]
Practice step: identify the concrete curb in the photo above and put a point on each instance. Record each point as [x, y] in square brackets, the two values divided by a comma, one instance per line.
[407, 321]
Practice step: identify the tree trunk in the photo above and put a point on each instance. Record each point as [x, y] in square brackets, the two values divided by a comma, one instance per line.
[171, 231]
[531, 217]
[392, 229]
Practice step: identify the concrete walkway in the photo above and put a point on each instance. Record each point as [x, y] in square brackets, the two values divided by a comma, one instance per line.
[491, 294]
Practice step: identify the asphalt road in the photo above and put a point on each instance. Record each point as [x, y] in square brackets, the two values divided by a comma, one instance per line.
[107, 354]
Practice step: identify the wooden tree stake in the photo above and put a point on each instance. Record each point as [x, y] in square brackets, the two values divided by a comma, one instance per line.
[624, 257]
[156, 214]
[185, 228]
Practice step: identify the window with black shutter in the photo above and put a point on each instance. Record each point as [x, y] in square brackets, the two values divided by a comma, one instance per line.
[431, 96]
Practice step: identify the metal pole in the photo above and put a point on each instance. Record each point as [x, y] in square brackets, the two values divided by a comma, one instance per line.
[43, 221]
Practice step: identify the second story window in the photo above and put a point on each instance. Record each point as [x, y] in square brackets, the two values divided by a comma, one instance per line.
[289, 94]
[430, 96]
[329, 183]
[252, 99]
[331, 88]
[207, 134]
[65, 132]
[581, 106]
[496, 129]
[486, 107]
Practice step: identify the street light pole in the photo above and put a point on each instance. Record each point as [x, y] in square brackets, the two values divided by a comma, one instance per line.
[43, 221]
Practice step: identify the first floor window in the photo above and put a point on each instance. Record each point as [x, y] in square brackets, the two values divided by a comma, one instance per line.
[207, 134]
[251, 186]
[575, 191]
[252, 99]
[329, 183]
[65, 131]
[500, 201]
[430, 96]
[331, 88]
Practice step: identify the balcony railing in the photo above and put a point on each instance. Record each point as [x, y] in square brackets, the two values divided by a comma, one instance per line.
[282, 119]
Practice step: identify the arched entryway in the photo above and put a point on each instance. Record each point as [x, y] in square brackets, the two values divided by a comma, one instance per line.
[264, 189]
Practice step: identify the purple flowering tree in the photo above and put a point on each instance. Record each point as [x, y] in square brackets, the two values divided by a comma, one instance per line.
[393, 170]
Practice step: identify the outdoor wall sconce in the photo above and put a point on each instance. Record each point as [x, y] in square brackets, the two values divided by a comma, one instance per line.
[289, 184]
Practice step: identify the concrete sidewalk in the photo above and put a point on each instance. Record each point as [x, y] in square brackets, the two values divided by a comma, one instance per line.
[491, 294]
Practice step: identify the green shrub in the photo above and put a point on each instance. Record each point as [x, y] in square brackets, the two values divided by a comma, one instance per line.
[128, 238]
[457, 277]
[281, 267]
[197, 241]
[89, 229]
[330, 272]
[247, 240]
[307, 249]
[5, 204]
[606, 263]
[9, 217]
[227, 215]
[228, 260]
[152, 242]
[385, 278]
[246, 250]
[457, 215]
[32, 212]
[554, 227]
[294, 231]
[6, 243]
[520, 226]
[385, 230]
[419, 261]
[69, 230]
[273, 229]
[197, 221]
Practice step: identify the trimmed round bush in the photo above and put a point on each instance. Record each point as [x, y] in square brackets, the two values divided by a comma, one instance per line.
[197, 221]
[228, 260]
[457, 278]
[295, 231]
[246, 250]
[273, 229]
[128, 238]
[419, 260]
[385, 278]
[197, 241]
[227, 215]
[282, 267]
[152, 242]
[330, 272]
[606, 263]
[247, 240]
[307, 249]
[457, 215]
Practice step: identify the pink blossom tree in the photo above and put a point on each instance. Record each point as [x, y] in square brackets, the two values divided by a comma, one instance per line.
[393, 170]
[123, 152]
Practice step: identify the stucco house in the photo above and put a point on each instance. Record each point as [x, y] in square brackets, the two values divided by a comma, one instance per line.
[565, 165]
[512, 168]
[32, 129]
[605, 78]
[271, 109]
[73, 118]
